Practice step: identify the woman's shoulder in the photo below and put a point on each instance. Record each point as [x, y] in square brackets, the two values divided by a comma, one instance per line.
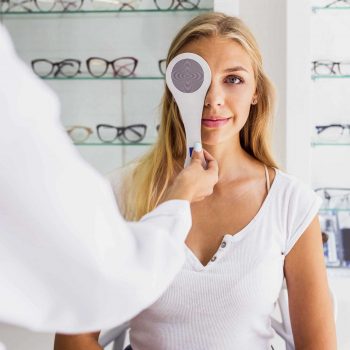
[297, 204]
[288, 180]
[293, 190]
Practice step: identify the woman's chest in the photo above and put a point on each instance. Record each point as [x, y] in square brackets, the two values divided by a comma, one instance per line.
[219, 216]
[240, 281]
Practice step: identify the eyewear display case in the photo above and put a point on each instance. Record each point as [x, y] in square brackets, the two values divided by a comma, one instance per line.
[102, 58]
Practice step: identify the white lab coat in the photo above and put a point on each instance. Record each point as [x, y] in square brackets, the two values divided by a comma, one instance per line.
[68, 260]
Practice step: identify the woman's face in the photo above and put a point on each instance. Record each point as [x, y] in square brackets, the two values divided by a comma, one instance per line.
[232, 90]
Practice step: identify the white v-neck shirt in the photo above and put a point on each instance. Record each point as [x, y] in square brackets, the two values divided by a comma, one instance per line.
[227, 304]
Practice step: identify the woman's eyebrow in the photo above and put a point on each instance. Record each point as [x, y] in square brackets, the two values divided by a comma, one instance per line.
[235, 69]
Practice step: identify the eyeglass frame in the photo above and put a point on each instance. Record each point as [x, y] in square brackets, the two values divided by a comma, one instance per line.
[70, 128]
[321, 128]
[160, 62]
[120, 132]
[329, 64]
[65, 8]
[59, 65]
[336, 1]
[179, 4]
[111, 63]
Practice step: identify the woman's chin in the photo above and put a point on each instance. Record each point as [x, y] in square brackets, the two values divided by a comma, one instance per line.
[211, 142]
[214, 140]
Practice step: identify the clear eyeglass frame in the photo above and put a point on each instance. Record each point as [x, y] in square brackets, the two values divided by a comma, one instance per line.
[78, 133]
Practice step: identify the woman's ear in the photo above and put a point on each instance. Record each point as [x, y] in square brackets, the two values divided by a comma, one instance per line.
[255, 99]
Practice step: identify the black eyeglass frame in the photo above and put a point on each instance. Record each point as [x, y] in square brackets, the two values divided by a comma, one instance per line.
[59, 65]
[321, 128]
[65, 4]
[335, 2]
[160, 64]
[111, 63]
[333, 66]
[120, 132]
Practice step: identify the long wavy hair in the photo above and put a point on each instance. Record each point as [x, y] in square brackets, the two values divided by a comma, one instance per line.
[146, 185]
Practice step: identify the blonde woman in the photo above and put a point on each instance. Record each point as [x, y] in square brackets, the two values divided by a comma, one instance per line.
[258, 227]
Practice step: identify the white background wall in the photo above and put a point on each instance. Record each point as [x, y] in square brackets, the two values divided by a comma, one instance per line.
[291, 36]
[267, 20]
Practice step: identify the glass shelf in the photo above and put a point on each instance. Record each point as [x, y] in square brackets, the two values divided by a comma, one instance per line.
[106, 78]
[109, 144]
[335, 210]
[325, 143]
[25, 13]
[335, 8]
[331, 76]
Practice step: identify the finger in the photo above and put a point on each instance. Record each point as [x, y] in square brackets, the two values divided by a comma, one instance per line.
[197, 155]
[198, 152]
[210, 159]
[212, 165]
[207, 155]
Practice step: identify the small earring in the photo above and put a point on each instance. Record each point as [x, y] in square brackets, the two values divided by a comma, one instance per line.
[255, 101]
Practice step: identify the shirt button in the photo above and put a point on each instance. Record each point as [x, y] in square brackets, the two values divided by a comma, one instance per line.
[213, 258]
[223, 244]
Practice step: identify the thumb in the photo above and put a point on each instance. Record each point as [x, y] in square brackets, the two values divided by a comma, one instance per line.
[197, 153]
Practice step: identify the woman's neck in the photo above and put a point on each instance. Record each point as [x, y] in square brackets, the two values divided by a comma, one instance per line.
[234, 162]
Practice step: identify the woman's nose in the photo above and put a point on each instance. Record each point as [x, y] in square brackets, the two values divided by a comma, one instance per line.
[214, 96]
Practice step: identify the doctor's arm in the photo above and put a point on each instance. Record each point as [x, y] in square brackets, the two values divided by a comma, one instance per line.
[69, 261]
[310, 304]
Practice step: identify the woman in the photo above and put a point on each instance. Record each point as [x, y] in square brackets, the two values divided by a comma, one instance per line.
[259, 225]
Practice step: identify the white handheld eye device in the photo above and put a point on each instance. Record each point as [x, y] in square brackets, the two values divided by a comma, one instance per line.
[188, 77]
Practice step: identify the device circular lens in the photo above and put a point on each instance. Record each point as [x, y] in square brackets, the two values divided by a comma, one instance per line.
[187, 75]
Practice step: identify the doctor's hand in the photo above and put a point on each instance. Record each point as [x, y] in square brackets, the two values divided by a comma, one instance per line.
[196, 181]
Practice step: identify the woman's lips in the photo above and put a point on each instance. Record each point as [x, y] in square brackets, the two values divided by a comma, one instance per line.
[215, 123]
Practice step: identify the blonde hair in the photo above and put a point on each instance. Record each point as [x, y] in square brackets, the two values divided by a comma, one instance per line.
[153, 173]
